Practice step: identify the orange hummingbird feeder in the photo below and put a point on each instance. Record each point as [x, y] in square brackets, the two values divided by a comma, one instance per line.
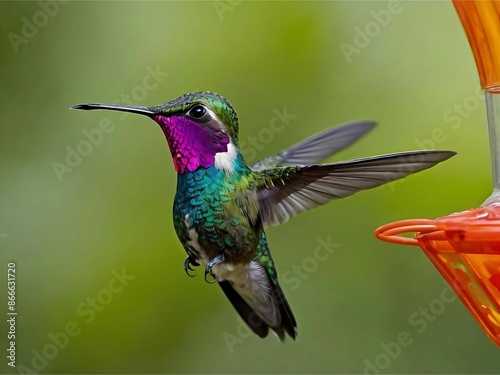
[465, 246]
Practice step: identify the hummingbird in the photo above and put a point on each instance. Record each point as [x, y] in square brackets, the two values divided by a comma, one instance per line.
[222, 206]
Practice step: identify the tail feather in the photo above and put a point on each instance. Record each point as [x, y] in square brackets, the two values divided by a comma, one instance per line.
[251, 317]
[253, 321]
[288, 322]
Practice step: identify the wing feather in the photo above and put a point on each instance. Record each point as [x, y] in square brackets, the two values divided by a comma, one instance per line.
[318, 147]
[284, 192]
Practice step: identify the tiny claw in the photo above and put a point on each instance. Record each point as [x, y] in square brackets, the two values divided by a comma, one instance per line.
[187, 266]
[208, 269]
[209, 281]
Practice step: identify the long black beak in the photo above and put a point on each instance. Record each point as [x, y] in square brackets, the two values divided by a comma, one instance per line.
[116, 107]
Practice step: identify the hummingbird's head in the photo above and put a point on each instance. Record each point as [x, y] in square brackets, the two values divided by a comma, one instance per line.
[201, 129]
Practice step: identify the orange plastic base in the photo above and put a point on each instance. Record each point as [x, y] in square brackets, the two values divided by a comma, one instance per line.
[465, 248]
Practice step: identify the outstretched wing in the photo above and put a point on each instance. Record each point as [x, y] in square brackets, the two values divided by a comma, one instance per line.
[287, 191]
[318, 147]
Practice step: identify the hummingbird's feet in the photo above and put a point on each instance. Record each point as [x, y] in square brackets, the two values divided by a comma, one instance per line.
[208, 269]
[187, 265]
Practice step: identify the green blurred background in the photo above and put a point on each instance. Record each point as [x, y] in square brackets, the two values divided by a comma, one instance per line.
[415, 75]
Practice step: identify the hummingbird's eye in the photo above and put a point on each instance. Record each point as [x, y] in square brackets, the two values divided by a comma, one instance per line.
[197, 112]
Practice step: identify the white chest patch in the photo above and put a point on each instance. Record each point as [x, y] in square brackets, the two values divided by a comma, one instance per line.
[224, 161]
